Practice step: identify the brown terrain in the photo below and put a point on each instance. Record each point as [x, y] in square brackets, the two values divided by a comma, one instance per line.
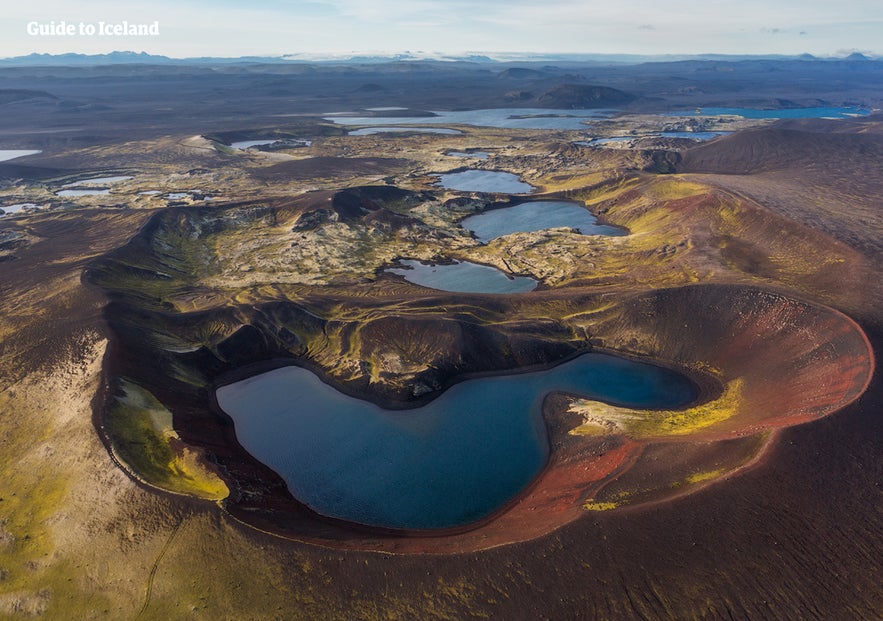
[751, 265]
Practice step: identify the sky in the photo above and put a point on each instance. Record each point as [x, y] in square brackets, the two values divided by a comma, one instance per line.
[232, 28]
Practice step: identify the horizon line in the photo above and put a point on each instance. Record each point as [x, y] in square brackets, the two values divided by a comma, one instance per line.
[418, 55]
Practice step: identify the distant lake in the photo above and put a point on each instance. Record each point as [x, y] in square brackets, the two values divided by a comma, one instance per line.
[790, 113]
[451, 462]
[462, 277]
[697, 136]
[602, 141]
[700, 136]
[480, 155]
[245, 144]
[93, 192]
[8, 210]
[536, 216]
[485, 181]
[11, 154]
[368, 131]
[514, 118]
[99, 181]
[242, 145]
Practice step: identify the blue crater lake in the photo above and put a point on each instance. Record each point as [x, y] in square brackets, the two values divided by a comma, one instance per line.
[462, 277]
[494, 181]
[449, 463]
[536, 216]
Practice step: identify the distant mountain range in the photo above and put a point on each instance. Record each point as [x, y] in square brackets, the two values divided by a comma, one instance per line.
[152, 59]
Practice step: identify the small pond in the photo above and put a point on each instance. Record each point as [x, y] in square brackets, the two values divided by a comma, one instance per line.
[462, 277]
[479, 155]
[11, 154]
[9, 210]
[85, 192]
[493, 181]
[536, 216]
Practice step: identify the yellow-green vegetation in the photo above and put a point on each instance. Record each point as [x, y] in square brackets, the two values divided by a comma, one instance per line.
[591, 505]
[40, 489]
[674, 187]
[681, 232]
[610, 189]
[143, 438]
[701, 477]
[575, 180]
[335, 252]
[601, 418]
[27, 501]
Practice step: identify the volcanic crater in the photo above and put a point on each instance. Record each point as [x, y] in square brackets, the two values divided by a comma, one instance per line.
[185, 323]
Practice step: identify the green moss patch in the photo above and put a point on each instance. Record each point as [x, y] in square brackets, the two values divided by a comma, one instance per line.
[143, 438]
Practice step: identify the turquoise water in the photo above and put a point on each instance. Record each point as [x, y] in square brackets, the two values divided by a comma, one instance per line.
[463, 277]
[451, 462]
[791, 113]
[485, 181]
[536, 216]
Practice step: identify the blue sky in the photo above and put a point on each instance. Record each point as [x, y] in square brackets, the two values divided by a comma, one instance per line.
[327, 27]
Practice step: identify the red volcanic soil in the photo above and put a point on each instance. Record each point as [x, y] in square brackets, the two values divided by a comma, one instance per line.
[798, 360]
